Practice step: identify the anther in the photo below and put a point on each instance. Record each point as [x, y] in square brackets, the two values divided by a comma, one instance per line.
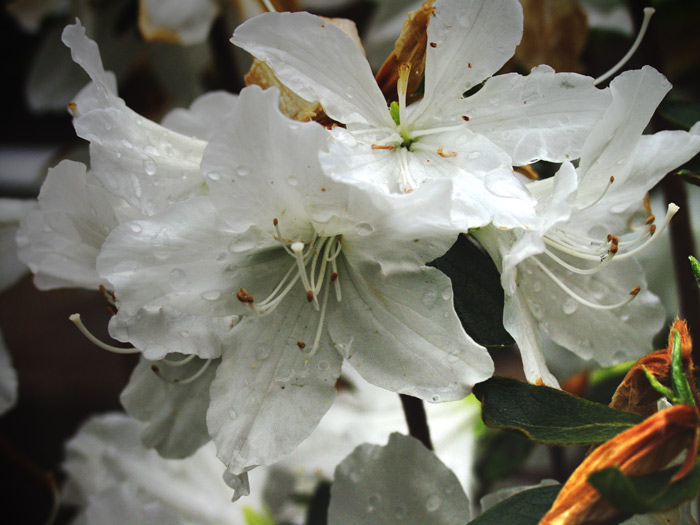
[465, 118]
[310, 296]
[609, 237]
[301, 344]
[635, 290]
[613, 249]
[382, 146]
[445, 154]
[334, 276]
[612, 179]
[433, 44]
[244, 297]
[650, 220]
[652, 229]
[275, 221]
[155, 368]
[614, 240]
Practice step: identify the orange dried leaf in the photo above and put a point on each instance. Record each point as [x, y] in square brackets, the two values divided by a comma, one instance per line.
[642, 449]
[408, 49]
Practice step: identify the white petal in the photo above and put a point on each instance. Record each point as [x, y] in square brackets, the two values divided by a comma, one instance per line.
[12, 211]
[60, 240]
[402, 482]
[182, 22]
[542, 116]
[472, 41]
[204, 115]
[608, 149]
[608, 336]
[268, 395]
[399, 330]
[174, 414]
[318, 62]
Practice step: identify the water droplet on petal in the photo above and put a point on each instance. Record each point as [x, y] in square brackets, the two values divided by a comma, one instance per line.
[364, 228]
[537, 286]
[433, 503]
[435, 399]
[625, 317]
[569, 306]
[373, 501]
[323, 365]
[474, 155]
[284, 374]
[152, 151]
[293, 181]
[263, 353]
[211, 295]
[355, 476]
[429, 298]
[244, 171]
[213, 175]
[536, 309]
[149, 167]
[108, 126]
[177, 277]
[399, 511]
[446, 293]
[127, 144]
[184, 333]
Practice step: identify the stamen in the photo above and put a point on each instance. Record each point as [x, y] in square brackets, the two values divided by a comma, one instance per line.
[75, 319]
[648, 11]
[650, 220]
[298, 248]
[319, 330]
[181, 362]
[185, 381]
[580, 299]
[279, 236]
[653, 231]
[406, 182]
[596, 201]
[446, 154]
[269, 6]
[402, 88]
[382, 146]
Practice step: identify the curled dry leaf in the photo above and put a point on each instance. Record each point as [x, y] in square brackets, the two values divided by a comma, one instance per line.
[409, 49]
[635, 394]
[642, 449]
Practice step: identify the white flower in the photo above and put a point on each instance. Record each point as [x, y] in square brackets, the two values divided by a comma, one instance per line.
[474, 141]
[575, 278]
[320, 269]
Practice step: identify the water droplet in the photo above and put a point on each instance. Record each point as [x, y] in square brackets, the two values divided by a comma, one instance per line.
[127, 144]
[453, 356]
[373, 501]
[474, 155]
[263, 353]
[152, 151]
[435, 399]
[399, 511]
[292, 181]
[108, 126]
[355, 476]
[177, 277]
[537, 286]
[536, 309]
[433, 503]
[213, 175]
[625, 317]
[364, 228]
[184, 333]
[244, 171]
[284, 374]
[238, 245]
[446, 293]
[586, 346]
[211, 295]
[429, 298]
[323, 365]
[149, 167]
[570, 306]
[232, 414]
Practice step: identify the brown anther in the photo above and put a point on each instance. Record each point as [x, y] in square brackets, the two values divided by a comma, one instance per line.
[446, 154]
[334, 276]
[155, 368]
[310, 296]
[609, 237]
[635, 290]
[73, 108]
[613, 249]
[301, 344]
[650, 220]
[243, 296]
[652, 229]
[275, 222]
[433, 44]
[612, 179]
[465, 118]
[614, 240]
[382, 146]
[469, 65]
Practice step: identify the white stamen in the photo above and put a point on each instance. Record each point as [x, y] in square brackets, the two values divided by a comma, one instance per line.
[600, 197]
[609, 256]
[187, 380]
[648, 11]
[298, 248]
[319, 330]
[75, 318]
[406, 182]
[181, 362]
[577, 297]
[433, 131]
[670, 212]
[269, 6]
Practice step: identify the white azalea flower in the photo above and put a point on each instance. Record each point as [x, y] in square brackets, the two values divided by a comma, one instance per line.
[474, 141]
[321, 271]
[575, 278]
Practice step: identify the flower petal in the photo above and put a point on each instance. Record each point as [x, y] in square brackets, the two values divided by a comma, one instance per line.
[397, 327]
[401, 482]
[201, 119]
[472, 41]
[319, 62]
[268, 395]
[174, 414]
[542, 116]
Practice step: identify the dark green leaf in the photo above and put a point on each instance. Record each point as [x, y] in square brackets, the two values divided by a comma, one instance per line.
[525, 508]
[683, 114]
[548, 415]
[317, 513]
[500, 455]
[478, 296]
[641, 494]
[689, 177]
[695, 266]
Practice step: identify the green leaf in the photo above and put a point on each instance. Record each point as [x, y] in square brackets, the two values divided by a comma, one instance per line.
[661, 389]
[500, 455]
[478, 296]
[689, 177]
[547, 415]
[394, 112]
[683, 114]
[253, 517]
[680, 380]
[695, 266]
[649, 493]
[525, 508]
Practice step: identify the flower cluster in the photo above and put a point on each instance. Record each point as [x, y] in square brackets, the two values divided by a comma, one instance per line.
[264, 251]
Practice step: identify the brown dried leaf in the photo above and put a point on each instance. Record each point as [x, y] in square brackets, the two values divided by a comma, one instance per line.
[409, 49]
[642, 449]
[554, 33]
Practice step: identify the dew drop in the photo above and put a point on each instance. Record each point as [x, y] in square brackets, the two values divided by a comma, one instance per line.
[127, 144]
[213, 175]
[364, 228]
[587, 345]
[149, 167]
[108, 126]
[151, 150]
[263, 353]
[284, 374]
[446, 293]
[373, 501]
[399, 511]
[435, 399]
[211, 295]
[625, 317]
[293, 181]
[244, 171]
[232, 414]
[474, 155]
[429, 298]
[569, 306]
[323, 365]
[453, 356]
[355, 476]
[433, 503]
[536, 309]
[184, 333]
[537, 286]
[177, 277]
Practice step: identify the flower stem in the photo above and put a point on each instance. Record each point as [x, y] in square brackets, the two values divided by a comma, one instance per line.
[416, 419]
